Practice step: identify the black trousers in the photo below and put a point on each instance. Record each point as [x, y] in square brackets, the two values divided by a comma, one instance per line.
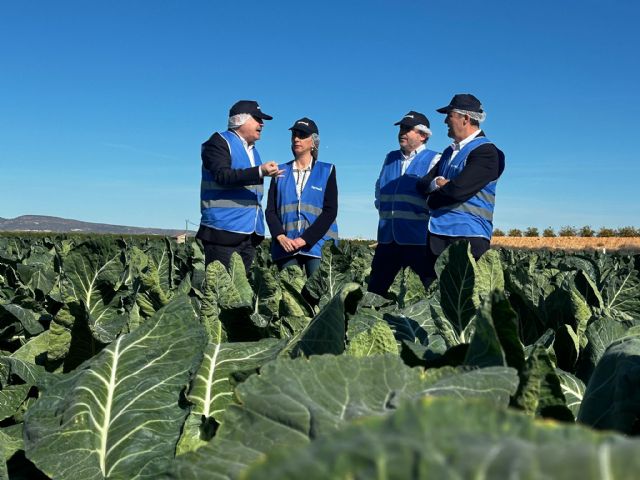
[438, 243]
[389, 258]
[246, 249]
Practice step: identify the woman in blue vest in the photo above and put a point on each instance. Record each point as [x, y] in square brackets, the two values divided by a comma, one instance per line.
[302, 203]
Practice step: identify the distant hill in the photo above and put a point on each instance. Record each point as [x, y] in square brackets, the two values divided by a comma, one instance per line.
[43, 223]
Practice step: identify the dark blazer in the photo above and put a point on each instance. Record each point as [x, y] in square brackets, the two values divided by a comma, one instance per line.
[317, 229]
[484, 164]
[216, 158]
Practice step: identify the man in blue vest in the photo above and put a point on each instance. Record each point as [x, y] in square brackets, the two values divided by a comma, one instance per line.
[461, 192]
[402, 227]
[232, 187]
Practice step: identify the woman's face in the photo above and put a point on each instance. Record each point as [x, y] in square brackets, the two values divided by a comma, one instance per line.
[301, 142]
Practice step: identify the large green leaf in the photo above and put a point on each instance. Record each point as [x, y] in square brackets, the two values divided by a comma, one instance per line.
[152, 281]
[497, 384]
[27, 318]
[70, 337]
[10, 443]
[11, 397]
[118, 415]
[573, 390]
[224, 460]
[612, 398]
[621, 291]
[294, 402]
[326, 333]
[227, 301]
[489, 274]
[95, 270]
[293, 303]
[29, 373]
[457, 283]
[336, 270]
[163, 263]
[367, 335]
[414, 323]
[540, 391]
[209, 307]
[485, 349]
[40, 278]
[35, 350]
[213, 385]
[530, 286]
[268, 294]
[239, 280]
[407, 288]
[600, 333]
[444, 438]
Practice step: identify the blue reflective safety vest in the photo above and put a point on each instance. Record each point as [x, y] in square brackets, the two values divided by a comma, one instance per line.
[403, 211]
[473, 218]
[234, 208]
[297, 214]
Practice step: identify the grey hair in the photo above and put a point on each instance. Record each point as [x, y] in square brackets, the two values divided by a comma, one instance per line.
[477, 116]
[238, 120]
[315, 138]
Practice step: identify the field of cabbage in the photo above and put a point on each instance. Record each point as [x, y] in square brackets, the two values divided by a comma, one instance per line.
[124, 358]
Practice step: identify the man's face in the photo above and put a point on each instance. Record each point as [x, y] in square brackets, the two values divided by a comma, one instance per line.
[457, 126]
[410, 138]
[250, 130]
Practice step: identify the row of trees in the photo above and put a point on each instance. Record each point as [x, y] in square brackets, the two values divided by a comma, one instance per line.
[568, 231]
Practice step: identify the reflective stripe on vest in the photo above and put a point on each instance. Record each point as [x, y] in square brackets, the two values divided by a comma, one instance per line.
[472, 218]
[297, 214]
[403, 211]
[233, 208]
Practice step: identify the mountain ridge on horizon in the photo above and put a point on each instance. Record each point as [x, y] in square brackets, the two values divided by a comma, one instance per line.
[46, 223]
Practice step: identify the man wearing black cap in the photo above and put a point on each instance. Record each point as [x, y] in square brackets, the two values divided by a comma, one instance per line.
[402, 227]
[232, 187]
[461, 191]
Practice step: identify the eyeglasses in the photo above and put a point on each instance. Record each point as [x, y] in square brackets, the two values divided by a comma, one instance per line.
[299, 134]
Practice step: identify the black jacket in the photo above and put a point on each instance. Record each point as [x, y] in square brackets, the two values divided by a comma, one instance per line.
[216, 158]
[484, 164]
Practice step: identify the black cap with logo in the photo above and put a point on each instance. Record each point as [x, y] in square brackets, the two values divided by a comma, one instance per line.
[305, 125]
[413, 119]
[248, 106]
[463, 101]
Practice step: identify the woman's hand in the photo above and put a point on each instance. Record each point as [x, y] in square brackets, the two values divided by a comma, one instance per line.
[299, 242]
[286, 243]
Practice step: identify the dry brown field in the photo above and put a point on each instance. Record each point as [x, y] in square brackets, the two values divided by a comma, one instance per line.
[569, 243]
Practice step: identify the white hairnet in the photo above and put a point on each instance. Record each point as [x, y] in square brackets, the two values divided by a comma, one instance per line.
[478, 116]
[238, 120]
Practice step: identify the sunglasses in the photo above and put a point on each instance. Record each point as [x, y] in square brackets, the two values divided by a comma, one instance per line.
[299, 134]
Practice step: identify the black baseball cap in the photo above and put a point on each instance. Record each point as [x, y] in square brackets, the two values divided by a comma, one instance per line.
[248, 106]
[305, 125]
[413, 119]
[462, 101]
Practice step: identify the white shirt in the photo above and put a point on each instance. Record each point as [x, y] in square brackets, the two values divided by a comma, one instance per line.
[301, 177]
[456, 146]
[249, 149]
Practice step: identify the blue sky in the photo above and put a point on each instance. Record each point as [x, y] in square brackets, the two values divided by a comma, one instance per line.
[104, 105]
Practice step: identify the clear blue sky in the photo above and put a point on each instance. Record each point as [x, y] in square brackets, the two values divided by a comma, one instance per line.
[104, 105]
